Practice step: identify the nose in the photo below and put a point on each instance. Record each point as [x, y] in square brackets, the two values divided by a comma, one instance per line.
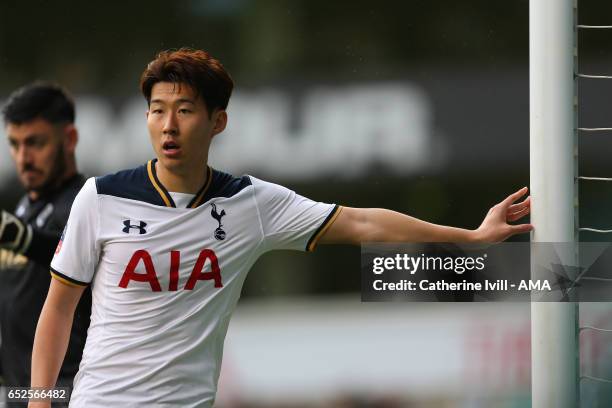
[23, 156]
[170, 124]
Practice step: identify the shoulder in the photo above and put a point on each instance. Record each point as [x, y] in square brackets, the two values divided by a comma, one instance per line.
[83, 203]
[266, 190]
[226, 185]
[70, 189]
[133, 184]
[88, 193]
[121, 183]
[60, 203]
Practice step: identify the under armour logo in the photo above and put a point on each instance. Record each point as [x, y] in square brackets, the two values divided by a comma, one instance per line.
[219, 233]
[140, 227]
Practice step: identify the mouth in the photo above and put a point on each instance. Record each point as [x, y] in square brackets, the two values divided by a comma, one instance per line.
[170, 148]
[30, 172]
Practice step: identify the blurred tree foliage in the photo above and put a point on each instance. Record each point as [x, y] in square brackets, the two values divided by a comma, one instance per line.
[103, 46]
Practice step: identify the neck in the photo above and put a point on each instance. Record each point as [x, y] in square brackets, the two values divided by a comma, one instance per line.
[182, 180]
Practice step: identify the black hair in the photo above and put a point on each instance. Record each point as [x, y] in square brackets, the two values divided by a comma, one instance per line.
[44, 100]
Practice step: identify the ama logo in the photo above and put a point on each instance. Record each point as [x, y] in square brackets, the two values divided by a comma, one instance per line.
[61, 241]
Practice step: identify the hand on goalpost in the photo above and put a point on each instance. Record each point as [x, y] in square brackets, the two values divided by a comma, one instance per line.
[496, 228]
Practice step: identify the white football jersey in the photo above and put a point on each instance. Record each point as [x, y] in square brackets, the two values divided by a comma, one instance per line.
[165, 280]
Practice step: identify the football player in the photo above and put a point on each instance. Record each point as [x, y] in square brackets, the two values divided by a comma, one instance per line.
[166, 247]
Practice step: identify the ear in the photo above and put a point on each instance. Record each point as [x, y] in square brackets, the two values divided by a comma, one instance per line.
[71, 139]
[220, 122]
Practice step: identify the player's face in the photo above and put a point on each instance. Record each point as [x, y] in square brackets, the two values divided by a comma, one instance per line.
[180, 126]
[37, 150]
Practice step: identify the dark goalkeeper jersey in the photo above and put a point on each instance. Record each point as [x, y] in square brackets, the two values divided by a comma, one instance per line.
[25, 282]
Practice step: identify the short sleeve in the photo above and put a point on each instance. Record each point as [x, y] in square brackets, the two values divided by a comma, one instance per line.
[289, 220]
[78, 250]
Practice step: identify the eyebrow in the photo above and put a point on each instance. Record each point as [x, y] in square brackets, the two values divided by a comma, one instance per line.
[181, 100]
[31, 136]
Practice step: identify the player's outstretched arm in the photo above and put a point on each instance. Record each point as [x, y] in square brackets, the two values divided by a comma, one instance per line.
[52, 335]
[356, 225]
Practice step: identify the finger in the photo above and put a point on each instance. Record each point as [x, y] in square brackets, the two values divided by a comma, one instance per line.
[518, 215]
[514, 196]
[521, 228]
[518, 207]
[513, 218]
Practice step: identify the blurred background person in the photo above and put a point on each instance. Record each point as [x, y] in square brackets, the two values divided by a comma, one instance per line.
[42, 138]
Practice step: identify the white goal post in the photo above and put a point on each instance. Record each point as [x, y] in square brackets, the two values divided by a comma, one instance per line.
[553, 172]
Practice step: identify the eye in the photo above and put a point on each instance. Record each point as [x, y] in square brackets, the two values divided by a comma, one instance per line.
[36, 142]
[184, 111]
[156, 111]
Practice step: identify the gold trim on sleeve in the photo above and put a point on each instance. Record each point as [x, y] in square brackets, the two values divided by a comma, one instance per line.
[65, 281]
[323, 228]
